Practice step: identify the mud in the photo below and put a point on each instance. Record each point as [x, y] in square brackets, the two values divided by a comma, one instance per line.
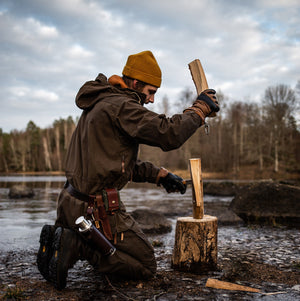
[20, 277]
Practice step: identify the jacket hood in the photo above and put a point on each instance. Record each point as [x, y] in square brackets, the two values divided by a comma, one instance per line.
[93, 91]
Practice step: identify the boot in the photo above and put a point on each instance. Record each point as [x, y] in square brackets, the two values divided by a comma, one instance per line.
[68, 247]
[45, 251]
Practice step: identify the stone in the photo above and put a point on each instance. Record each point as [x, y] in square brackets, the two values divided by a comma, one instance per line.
[220, 188]
[296, 287]
[225, 216]
[151, 221]
[268, 203]
[20, 191]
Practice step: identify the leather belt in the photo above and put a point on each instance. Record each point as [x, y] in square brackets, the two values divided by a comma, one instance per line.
[79, 195]
[96, 208]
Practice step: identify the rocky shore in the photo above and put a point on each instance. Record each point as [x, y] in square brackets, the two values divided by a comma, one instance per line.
[20, 280]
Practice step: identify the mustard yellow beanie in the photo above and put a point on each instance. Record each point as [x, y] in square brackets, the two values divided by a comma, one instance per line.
[143, 66]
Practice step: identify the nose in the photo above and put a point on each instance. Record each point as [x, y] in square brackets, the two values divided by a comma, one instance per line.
[151, 98]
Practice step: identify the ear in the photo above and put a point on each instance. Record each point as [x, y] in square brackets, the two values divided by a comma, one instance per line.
[134, 84]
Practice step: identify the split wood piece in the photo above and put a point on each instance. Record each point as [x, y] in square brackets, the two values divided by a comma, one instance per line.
[214, 283]
[198, 76]
[196, 176]
[195, 248]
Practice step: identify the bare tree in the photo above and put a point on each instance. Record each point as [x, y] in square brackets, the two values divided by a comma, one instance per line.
[2, 153]
[48, 164]
[57, 145]
[279, 105]
[236, 115]
[221, 100]
[164, 106]
[34, 137]
[186, 98]
[297, 89]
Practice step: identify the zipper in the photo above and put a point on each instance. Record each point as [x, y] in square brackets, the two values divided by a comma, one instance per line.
[123, 164]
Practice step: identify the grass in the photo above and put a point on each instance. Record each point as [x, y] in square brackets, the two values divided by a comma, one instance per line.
[14, 293]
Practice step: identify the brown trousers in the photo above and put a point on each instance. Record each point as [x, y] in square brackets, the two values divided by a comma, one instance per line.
[134, 258]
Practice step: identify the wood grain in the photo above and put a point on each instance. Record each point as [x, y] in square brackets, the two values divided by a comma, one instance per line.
[198, 76]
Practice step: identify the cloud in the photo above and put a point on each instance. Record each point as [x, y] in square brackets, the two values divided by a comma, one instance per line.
[26, 98]
[50, 48]
[78, 52]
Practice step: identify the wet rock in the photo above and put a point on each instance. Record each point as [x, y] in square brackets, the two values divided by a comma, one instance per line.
[20, 191]
[296, 287]
[223, 213]
[152, 221]
[268, 203]
[220, 188]
[228, 217]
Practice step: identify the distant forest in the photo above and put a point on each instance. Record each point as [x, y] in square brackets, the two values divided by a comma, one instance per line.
[244, 134]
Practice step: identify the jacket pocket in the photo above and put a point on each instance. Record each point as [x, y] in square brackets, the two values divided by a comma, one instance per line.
[123, 222]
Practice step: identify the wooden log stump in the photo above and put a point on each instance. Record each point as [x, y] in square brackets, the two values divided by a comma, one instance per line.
[195, 247]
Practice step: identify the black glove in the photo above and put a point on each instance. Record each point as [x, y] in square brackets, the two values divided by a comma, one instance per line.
[173, 183]
[206, 105]
[209, 97]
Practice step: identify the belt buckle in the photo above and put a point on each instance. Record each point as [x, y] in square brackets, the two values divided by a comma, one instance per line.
[97, 224]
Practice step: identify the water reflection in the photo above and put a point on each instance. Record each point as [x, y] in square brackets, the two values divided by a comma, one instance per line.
[32, 181]
[21, 219]
[22, 178]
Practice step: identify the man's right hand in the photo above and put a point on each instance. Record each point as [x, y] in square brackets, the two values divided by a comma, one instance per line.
[206, 104]
[173, 183]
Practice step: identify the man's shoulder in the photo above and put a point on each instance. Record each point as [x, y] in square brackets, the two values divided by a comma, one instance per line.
[122, 97]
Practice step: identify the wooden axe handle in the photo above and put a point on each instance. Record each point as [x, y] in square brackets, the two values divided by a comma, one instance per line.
[198, 76]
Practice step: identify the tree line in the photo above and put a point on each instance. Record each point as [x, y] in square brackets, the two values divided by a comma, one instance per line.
[244, 134]
[36, 149]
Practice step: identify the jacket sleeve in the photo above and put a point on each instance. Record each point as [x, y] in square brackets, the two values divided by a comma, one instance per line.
[145, 172]
[150, 128]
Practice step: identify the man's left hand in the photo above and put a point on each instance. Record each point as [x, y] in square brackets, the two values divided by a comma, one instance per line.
[172, 183]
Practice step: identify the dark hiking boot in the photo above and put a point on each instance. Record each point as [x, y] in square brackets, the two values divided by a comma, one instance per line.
[66, 251]
[45, 251]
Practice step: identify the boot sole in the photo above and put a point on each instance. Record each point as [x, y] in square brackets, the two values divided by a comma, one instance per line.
[45, 250]
[57, 274]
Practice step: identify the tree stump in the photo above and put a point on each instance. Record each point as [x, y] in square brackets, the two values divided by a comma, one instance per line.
[195, 247]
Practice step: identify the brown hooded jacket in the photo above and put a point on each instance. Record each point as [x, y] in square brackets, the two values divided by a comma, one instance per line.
[103, 149]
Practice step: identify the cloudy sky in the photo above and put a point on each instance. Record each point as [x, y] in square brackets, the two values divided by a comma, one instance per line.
[48, 49]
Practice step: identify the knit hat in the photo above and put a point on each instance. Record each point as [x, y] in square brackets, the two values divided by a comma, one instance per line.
[143, 66]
